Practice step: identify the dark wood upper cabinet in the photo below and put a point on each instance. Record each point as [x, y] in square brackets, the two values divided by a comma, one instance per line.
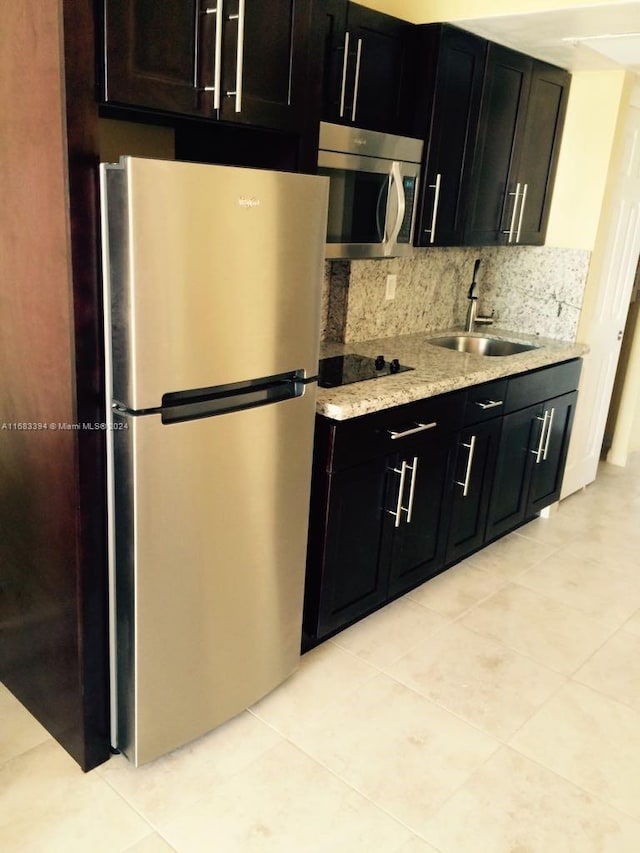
[151, 54]
[367, 70]
[274, 72]
[521, 120]
[242, 62]
[538, 156]
[453, 69]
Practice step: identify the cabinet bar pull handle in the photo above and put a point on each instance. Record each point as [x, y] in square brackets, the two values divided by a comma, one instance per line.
[513, 213]
[196, 47]
[403, 473]
[414, 470]
[538, 453]
[418, 428]
[467, 473]
[489, 404]
[218, 57]
[217, 11]
[522, 204]
[239, 56]
[436, 202]
[345, 62]
[549, 425]
[357, 80]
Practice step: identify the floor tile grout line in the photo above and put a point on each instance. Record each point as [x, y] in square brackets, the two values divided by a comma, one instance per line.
[596, 562]
[365, 796]
[552, 695]
[499, 742]
[604, 695]
[523, 653]
[287, 740]
[26, 751]
[154, 830]
[29, 749]
[604, 624]
[575, 784]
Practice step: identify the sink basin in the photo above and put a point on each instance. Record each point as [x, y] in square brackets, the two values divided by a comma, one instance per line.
[481, 345]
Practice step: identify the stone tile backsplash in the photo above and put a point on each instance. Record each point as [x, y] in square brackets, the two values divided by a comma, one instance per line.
[534, 290]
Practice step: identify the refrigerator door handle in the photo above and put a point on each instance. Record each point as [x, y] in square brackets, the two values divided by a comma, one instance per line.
[222, 399]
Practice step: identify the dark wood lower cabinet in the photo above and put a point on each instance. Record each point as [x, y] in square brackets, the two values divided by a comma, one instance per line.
[400, 495]
[521, 433]
[353, 583]
[546, 480]
[530, 465]
[379, 515]
[413, 545]
[470, 488]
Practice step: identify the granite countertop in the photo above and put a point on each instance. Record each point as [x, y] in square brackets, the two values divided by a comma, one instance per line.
[437, 370]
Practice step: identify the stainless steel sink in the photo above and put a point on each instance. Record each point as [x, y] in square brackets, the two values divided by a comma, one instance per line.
[481, 345]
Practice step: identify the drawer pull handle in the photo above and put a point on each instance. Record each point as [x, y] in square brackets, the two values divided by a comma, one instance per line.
[489, 404]
[417, 428]
[467, 473]
[396, 514]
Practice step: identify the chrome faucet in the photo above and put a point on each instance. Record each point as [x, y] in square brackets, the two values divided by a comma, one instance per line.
[472, 311]
[472, 296]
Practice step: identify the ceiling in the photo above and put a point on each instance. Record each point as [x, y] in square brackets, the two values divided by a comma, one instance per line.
[587, 38]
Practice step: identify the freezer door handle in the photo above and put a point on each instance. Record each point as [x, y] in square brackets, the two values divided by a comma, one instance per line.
[222, 399]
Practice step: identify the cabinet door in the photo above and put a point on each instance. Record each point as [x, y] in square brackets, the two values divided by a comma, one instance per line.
[173, 56]
[151, 53]
[548, 468]
[415, 548]
[472, 477]
[493, 206]
[367, 78]
[379, 42]
[264, 69]
[353, 583]
[538, 150]
[520, 443]
[451, 138]
[332, 28]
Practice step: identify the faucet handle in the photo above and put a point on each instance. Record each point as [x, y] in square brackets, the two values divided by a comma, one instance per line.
[484, 319]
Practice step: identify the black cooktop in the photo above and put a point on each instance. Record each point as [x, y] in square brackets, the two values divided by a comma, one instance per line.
[345, 369]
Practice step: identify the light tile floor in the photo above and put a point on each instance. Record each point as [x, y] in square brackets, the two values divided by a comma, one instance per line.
[496, 709]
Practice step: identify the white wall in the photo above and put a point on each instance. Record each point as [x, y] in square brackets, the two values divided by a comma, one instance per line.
[428, 11]
[587, 142]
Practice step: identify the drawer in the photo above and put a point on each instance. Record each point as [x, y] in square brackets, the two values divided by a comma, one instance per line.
[357, 440]
[485, 401]
[542, 384]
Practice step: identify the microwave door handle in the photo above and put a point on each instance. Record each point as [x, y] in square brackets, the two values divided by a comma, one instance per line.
[396, 182]
[383, 197]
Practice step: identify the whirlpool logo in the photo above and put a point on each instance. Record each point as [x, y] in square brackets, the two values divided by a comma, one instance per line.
[249, 201]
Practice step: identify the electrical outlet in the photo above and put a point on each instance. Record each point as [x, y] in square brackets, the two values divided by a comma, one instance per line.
[390, 292]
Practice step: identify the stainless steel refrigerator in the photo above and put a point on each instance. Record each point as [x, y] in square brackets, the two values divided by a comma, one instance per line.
[212, 289]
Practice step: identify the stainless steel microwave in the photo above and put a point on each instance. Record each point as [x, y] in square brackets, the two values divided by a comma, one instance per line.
[373, 186]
